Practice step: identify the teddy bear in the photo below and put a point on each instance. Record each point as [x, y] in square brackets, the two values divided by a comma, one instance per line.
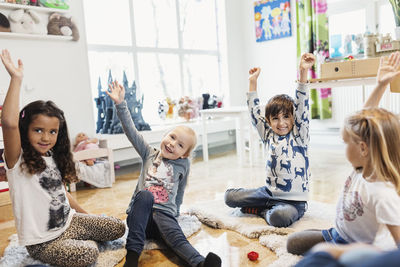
[26, 21]
[60, 25]
[83, 142]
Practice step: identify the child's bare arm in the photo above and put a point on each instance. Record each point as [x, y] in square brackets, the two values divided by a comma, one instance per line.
[388, 70]
[307, 60]
[254, 73]
[74, 204]
[395, 231]
[10, 112]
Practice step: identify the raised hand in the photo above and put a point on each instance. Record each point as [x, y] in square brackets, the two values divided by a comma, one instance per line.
[117, 92]
[254, 73]
[307, 60]
[388, 69]
[15, 72]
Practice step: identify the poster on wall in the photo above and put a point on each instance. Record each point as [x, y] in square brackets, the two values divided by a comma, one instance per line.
[272, 19]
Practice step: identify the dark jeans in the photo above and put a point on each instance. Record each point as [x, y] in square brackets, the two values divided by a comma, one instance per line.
[145, 222]
[278, 212]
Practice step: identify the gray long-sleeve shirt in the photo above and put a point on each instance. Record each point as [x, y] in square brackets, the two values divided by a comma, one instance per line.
[165, 179]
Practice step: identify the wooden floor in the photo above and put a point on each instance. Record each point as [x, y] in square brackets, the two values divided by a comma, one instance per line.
[207, 181]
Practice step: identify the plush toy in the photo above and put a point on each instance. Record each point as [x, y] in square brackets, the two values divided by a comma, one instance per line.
[26, 21]
[83, 142]
[162, 109]
[171, 107]
[4, 24]
[60, 25]
[188, 108]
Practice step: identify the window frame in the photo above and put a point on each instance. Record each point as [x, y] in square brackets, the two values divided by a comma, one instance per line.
[180, 51]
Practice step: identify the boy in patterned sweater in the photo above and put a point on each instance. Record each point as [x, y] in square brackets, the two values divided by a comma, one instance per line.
[284, 129]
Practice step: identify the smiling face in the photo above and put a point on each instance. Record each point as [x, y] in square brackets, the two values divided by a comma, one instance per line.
[177, 144]
[282, 123]
[43, 133]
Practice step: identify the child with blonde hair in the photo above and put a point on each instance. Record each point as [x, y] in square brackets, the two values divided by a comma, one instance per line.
[156, 202]
[370, 198]
[38, 159]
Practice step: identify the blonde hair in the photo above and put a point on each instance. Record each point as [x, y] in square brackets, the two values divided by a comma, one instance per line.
[192, 133]
[380, 130]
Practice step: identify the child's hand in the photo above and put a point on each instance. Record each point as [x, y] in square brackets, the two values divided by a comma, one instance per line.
[15, 72]
[117, 92]
[254, 72]
[388, 69]
[307, 60]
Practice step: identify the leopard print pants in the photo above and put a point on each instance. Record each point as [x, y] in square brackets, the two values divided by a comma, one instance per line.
[76, 246]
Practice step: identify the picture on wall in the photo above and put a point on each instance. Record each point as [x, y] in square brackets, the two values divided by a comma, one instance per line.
[272, 19]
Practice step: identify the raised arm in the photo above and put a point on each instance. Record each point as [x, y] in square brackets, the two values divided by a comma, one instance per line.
[117, 94]
[254, 73]
[301, 100]
[307, 60]
[253, 103]
[10, 112]
[388, 70]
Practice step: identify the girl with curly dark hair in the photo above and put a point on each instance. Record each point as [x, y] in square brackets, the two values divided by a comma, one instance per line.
[37, 153]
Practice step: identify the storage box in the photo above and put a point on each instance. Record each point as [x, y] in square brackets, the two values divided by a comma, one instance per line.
[357, 68]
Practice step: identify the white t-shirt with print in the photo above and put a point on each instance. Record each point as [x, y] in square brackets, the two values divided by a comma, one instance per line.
[40, 204]
[364, 208]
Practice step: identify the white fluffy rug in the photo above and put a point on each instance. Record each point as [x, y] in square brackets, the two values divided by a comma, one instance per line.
[111, 253]
[217, 215]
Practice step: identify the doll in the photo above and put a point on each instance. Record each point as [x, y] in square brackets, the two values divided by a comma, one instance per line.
[83, 142]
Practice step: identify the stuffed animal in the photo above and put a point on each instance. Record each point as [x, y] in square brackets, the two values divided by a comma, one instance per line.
[26, 21]
[4, 24]
[188, 108]
[83, 142]
[60, 25]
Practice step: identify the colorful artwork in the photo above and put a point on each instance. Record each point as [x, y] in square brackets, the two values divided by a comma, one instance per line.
[272, 19]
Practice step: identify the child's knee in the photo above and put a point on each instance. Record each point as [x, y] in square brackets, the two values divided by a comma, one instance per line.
[282, 216]
[229, 200]
[293, 244]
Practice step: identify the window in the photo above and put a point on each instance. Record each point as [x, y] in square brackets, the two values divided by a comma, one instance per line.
[170, 48]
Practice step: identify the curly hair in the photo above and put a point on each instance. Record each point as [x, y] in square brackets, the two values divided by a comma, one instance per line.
[33, 162]
[277, 104]
[380, 130]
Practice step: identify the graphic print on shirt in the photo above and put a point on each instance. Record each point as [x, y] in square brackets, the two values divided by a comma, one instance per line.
[159, 180]
[352, 205]
[50, 180]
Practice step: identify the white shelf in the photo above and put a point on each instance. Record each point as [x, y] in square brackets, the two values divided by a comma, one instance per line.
[343, 82]
[34, 36]
[36, 8]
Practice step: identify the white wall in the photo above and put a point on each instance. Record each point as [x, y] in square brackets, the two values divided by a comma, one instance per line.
[58, 70]
[55, 70]
[276, 58]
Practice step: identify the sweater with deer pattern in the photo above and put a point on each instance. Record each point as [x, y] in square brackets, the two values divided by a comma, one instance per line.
[287, 166]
